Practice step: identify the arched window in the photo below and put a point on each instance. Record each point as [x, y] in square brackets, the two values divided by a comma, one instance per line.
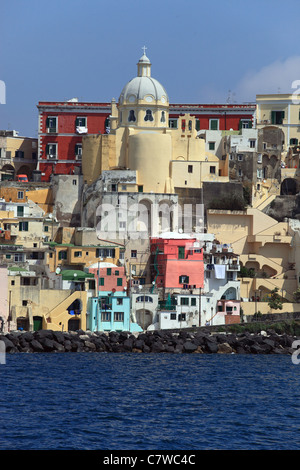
[148, 115]
[163, 116]
[131, 117]
[143, 298]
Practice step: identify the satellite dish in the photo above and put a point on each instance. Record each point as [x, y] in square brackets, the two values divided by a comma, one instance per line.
[58, 271]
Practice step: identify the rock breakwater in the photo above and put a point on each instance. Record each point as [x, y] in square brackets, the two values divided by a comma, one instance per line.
[201, 341]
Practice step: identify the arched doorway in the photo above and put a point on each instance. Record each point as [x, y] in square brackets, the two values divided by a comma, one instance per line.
[289, 187]
[24, 170]
[23, 323]
[7, 173]
[37, 323]
[74, 324]
[143, 318]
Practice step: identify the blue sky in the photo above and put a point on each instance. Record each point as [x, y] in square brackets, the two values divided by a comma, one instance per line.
[60, 49]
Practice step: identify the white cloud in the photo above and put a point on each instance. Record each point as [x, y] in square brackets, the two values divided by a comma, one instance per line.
[277, 77]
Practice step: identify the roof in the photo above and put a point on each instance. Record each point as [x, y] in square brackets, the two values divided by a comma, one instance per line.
[75, 274]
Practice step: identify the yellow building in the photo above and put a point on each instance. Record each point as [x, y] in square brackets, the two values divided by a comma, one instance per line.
[140, 140]
[18, 155]
[267, 252]
[282, 110]
[34, 306]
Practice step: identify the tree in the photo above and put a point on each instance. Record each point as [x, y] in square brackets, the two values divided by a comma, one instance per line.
[275, 301]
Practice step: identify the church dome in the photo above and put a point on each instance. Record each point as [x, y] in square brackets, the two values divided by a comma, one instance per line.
[143, 87]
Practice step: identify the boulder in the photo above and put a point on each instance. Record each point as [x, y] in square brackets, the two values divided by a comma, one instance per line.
[36, 346]
[225, 348]
[189, 347]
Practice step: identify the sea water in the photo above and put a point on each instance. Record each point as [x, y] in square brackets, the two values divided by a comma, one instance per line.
[131, 401]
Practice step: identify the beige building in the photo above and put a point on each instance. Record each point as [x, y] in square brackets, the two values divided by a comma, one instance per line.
[268, 253]
[282, 110]
[18, 155]
[140, 140]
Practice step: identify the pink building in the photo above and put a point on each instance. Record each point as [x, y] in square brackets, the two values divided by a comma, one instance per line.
[112, 277]
[177, 262]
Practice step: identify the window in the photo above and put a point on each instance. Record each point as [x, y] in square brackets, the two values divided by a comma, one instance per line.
[181, 252]
[293, 141]
[106, 316]
[259, 158]
[184, 301]
[259, 173]
[51, 150]
[23, 226]
[240, 172]
[119, 281]
[214, 124]
[173, 316]
[117, 273]
[131, 116]
[24, 303]
[181, 317]
[46, 228]
[173, 123]
[163, 116]
[20, 211]
[8, 256]
[124, 187]
[140, 188]
[133, 253]
[108, 271]
[277, 117]
[119, 301]
[190, 168]
[51, 124]
[212, 170]
[80, 122]
[240, 157]
[148, 115]
[20, 194]
[62, 254]
[183, 279]
[197, 125]
[19, 154]
[74, 182]
[77, 254]
[245, 124]
[101, 281]
[92, 284]
[211, 145]
[78, 151]
[252, 143]
[119, 316]
[193, 301]
[18, 257]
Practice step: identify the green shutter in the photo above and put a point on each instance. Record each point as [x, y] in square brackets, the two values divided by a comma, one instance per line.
[101, 281]
[108, 271]
[273, 117]
[197, 124]
[119, 281]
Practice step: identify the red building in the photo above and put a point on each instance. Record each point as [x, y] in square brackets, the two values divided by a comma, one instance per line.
[177, 262]
[62, 125]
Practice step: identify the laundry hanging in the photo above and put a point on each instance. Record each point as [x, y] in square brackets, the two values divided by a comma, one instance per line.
[220, 271]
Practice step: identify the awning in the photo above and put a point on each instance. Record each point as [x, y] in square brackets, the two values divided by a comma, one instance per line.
[75, 275]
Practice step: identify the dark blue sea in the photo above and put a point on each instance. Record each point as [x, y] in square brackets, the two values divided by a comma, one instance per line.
[106, 401]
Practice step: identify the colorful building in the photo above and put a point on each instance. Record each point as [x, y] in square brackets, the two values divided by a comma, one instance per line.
[177, 261]
[61, 127]
[110, 311]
